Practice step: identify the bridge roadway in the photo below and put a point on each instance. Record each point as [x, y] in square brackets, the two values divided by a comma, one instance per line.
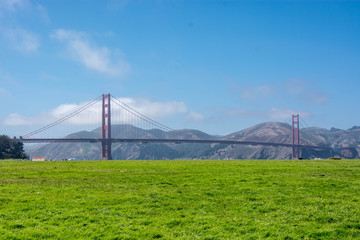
[132, 140]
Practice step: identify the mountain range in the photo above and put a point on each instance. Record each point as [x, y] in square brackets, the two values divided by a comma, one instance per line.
[264, 132]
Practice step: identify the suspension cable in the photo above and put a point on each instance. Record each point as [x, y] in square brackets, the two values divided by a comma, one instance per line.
[143, 117]
[302, 120]
[63, 119]
[126, 108]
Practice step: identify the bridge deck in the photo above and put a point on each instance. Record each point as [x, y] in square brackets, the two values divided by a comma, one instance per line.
[132, 140]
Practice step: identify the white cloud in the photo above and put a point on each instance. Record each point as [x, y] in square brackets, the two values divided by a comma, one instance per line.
[292, 88]
[317, 97]
[244, 113]
[273, 113]
[155, 109]
[295, 86]
[13, 5]
[117, 4]
[4, 92]
[92, 115]
[265, 90]
[15, 35]
[22, 40]
[281, 114]
[13, 8]
[256, 92]
[304, 92]
[15, 119]
[42, 12]
[194, 117]
[48, 77]
[89, 54]
[6, 81]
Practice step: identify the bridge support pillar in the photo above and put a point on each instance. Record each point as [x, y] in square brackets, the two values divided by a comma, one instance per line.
[106, 128]
[295, 137]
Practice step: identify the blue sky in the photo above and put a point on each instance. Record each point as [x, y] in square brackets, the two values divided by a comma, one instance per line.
[216, 66]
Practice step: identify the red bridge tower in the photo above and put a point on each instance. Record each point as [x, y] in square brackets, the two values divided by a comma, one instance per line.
[106, 128]
[295, 137]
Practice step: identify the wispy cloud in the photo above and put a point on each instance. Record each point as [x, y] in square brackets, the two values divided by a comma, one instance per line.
[22, 40]
[303, 91]
[48, 77]
[11, 8]
[271, 114]
[13, 5]
[16, 36]
[15, 119]
[92, 115]
[255, 92]
[295, 88]
[317, 97]
[4, 92]
[281, 114]
[117, 4]
[154, 109]
[93, 57]
[193, 116]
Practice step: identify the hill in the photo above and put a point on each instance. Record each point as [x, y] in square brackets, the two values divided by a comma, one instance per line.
[264, 132]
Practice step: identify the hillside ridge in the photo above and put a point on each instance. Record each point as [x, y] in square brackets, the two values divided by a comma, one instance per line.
[264, 132]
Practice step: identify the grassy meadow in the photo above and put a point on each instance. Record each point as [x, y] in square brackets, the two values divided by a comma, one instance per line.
[180, 199]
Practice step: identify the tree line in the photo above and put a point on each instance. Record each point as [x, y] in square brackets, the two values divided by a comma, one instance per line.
[11, 148]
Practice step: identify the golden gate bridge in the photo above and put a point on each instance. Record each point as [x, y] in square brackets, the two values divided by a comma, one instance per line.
[116, 110]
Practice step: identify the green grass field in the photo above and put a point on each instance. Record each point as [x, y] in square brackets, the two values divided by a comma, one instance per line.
[212, 199]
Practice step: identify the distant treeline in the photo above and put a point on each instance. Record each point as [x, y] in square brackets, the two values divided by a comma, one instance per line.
[10, 148]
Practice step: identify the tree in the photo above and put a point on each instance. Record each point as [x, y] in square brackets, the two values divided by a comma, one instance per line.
[11, 148]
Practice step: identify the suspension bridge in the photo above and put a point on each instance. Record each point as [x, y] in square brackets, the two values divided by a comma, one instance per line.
[107, 111]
